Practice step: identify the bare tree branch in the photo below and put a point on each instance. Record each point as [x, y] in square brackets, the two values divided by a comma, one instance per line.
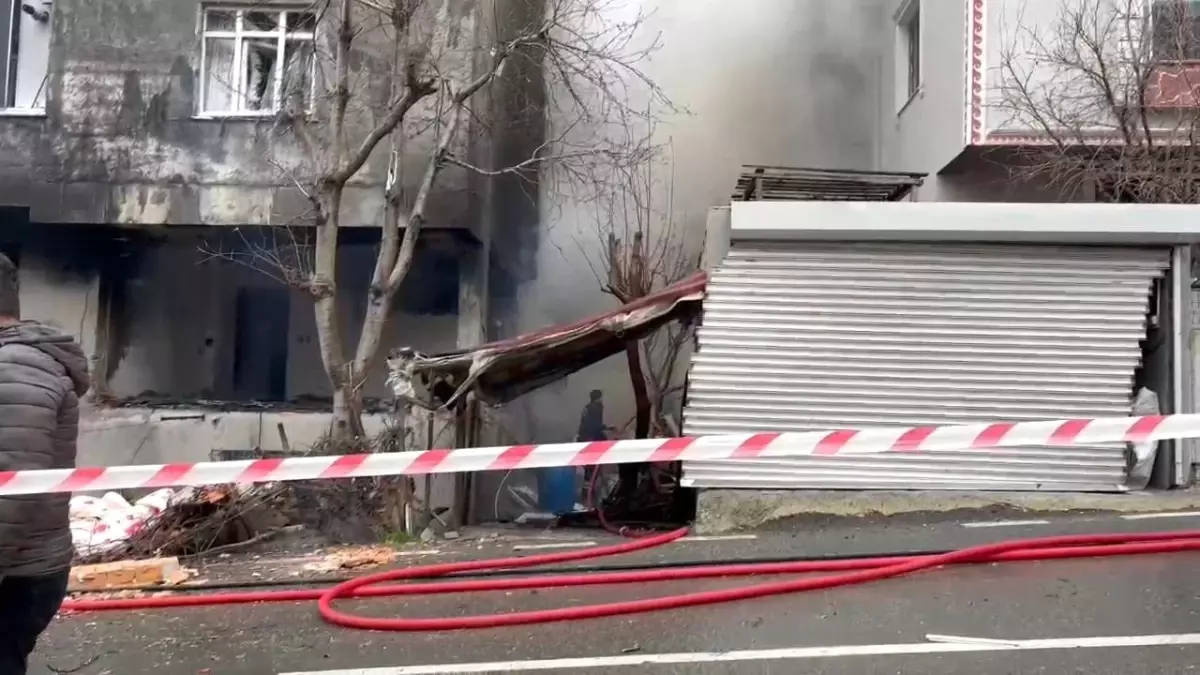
[416, 74]
[522, 166]
[415, 90]
[1110, 92]
[639, 249]
[375, 6]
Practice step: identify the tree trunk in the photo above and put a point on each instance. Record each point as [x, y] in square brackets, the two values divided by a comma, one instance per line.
[347, 426]
[629, 475]
[346, 420]
[371, 338]
[641, 395]
[379, 310]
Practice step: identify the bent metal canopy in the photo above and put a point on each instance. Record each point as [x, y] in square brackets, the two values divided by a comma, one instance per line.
[501, 371]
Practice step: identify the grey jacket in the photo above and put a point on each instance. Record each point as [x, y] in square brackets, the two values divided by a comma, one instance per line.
[43, 372]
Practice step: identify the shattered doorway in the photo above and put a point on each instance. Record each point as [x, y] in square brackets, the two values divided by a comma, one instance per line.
[260, 349]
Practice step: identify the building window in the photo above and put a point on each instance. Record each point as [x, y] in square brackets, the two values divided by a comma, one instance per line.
[1175, 30]
[908, 23]
[256, 62]
[25, 34]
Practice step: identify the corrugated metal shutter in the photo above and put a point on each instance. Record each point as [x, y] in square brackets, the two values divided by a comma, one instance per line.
[819, 335]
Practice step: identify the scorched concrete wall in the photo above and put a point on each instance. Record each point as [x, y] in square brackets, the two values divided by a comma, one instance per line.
[122, 139]
[181, 330]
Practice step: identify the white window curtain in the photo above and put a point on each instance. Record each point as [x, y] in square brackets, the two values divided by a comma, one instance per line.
[257, 62]
[220, 77]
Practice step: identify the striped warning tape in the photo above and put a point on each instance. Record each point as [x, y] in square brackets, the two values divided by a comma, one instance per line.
[1093, 431]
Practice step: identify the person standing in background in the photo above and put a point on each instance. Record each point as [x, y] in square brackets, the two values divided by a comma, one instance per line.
[591, 421]
[43, 374]
[592, 428]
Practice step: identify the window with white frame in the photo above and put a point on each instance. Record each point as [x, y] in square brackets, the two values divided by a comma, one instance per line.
[257, 61]
[25, 44]
[908, 56]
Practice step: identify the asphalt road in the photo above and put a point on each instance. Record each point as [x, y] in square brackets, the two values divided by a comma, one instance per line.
[1115, 617]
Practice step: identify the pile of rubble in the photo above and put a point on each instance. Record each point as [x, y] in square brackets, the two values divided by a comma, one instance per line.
[172, 522]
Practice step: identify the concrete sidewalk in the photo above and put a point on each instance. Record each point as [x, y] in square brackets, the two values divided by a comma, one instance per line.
[722, 511]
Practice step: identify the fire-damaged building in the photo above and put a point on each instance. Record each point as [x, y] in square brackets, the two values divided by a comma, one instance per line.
[134, 190]
[130, 176]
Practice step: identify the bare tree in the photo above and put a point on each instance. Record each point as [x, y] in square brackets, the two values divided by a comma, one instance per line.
[640, 249]
[405, 74]
[1106, 90]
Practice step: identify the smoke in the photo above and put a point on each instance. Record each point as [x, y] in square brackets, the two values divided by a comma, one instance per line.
[792, 82]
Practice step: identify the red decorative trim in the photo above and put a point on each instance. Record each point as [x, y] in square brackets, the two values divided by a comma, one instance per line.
[1014, 138]
[976, 39]
[1028, 137]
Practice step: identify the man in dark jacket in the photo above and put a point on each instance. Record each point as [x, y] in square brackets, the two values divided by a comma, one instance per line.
[591, 420]
[43, 373]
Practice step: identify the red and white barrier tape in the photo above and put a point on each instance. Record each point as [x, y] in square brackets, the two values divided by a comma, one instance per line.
[837, 442]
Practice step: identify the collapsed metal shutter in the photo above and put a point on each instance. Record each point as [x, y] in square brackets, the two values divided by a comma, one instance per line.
[807, 336]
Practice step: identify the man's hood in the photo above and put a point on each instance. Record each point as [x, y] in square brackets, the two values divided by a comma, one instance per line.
[56, 344]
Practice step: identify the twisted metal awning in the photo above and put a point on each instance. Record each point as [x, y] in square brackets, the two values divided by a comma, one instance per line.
[501, 371]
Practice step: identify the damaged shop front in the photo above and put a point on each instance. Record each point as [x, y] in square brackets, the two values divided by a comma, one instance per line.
[475, 383]
[835, 314]
[448, 390]
[200, 351]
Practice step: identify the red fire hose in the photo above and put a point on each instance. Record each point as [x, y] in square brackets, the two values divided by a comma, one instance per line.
[848, 571]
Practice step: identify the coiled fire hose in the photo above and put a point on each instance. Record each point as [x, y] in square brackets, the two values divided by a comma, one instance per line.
[842, 572]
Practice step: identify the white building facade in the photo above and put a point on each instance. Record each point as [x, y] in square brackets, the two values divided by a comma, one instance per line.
[947, 103]
[935, 116]
[1008, 307]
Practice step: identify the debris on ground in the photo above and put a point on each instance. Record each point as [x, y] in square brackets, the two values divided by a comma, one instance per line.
[127, 594]
[103, 524]
[167, 522]
[217, 520]
[354, 557]
[125, 573]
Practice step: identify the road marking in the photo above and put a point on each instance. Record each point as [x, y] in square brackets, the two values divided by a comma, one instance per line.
[1007, 523]
[636, 660]
[721, 537]
[960, 639]
[1171, 514]
[561, 544]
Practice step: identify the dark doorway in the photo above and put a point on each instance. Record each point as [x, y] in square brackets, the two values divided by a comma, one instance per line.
[260, 347]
